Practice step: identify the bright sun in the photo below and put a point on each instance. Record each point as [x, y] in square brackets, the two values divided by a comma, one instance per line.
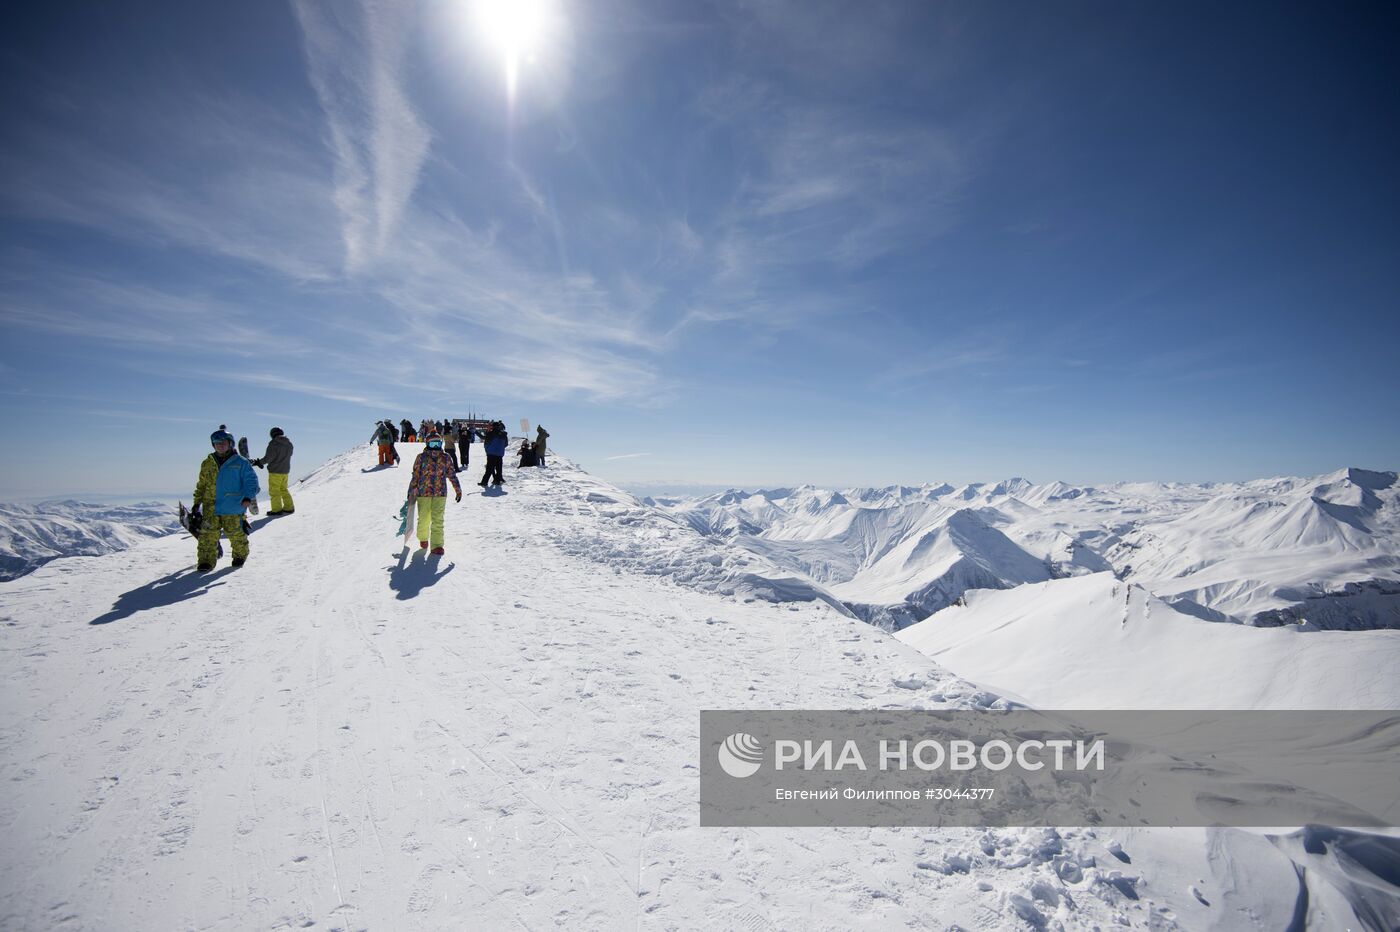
[514, 28]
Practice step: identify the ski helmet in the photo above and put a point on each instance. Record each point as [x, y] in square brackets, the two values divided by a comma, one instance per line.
[434, 440]
[220, 434]
[275, 432]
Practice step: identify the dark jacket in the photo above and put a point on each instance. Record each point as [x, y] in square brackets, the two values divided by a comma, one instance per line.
[278, 458]
[495, 442]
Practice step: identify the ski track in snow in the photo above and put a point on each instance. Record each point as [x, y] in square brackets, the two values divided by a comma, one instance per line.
[346, 734]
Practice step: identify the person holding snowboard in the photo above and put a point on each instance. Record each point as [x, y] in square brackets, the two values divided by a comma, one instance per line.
[495, 441]
[432, 470]
[278, 461]
[227, 486]
[383, 437]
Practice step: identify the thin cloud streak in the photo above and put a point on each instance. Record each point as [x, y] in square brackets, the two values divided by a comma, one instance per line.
[354, 54]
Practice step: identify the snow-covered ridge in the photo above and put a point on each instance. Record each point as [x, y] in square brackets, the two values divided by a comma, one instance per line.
[348, 734]
[1266, 552]
[32, 535]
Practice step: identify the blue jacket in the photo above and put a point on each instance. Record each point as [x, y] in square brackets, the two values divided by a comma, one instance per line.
[496, 443]
[234, 482]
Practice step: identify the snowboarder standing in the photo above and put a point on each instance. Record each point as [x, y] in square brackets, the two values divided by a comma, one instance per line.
[495, 441]
[465, 438]
[227, 486]
[449, 443]
[540, 435]
[383, 437]
[432, 470]
[278, 461]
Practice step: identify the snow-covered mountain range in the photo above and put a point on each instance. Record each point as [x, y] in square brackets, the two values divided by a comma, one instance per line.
[346, 733]
[32, 535]
[1324, 550]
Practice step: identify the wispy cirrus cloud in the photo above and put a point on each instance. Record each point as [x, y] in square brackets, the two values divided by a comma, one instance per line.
[355, 52]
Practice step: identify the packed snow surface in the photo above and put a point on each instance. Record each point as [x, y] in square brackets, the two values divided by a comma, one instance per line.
[349, 734]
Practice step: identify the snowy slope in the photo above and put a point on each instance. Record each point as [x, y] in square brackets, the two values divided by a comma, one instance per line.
[32, 535]
[1267, 552]
[350, 735]
[1095, 642]
[1276, 551]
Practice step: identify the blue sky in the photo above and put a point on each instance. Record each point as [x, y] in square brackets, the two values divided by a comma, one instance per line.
[735, 244]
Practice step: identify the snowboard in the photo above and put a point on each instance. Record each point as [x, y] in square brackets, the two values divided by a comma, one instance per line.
[192, 519]
[243, 452]
[407, 513]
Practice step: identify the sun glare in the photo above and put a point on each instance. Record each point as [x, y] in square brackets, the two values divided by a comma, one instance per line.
[516, 29]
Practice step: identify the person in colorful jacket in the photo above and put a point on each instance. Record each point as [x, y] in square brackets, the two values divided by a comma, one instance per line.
[494, 441]
[227, 486]
[278, 460]
[432, 470]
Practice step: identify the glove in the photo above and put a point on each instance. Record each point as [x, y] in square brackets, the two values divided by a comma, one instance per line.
[459, 496]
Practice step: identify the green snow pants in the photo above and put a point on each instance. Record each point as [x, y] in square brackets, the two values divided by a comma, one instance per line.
[431, 509]
[229, 525]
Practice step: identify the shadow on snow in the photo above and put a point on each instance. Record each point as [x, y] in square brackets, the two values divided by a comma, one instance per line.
[414, 574]
[176, 587]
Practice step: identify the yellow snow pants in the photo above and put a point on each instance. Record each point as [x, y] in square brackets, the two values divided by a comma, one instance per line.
[277, 489]
[431, 509]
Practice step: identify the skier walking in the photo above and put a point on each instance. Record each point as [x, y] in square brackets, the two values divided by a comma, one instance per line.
[278, 461]
[227, 486]
[495, 441]
[432, 470]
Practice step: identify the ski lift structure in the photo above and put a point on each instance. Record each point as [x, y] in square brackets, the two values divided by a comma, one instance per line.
[476, 423]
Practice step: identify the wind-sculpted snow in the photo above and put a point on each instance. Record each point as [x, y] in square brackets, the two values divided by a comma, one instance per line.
[1034, 643]
[32, 535]
[1324, 550]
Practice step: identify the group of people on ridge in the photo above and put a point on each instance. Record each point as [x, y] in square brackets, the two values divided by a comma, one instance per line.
[438, 465]
[227, 487]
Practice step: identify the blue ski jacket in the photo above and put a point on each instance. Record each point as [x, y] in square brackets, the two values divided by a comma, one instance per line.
[496, 443]
[233, 482]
